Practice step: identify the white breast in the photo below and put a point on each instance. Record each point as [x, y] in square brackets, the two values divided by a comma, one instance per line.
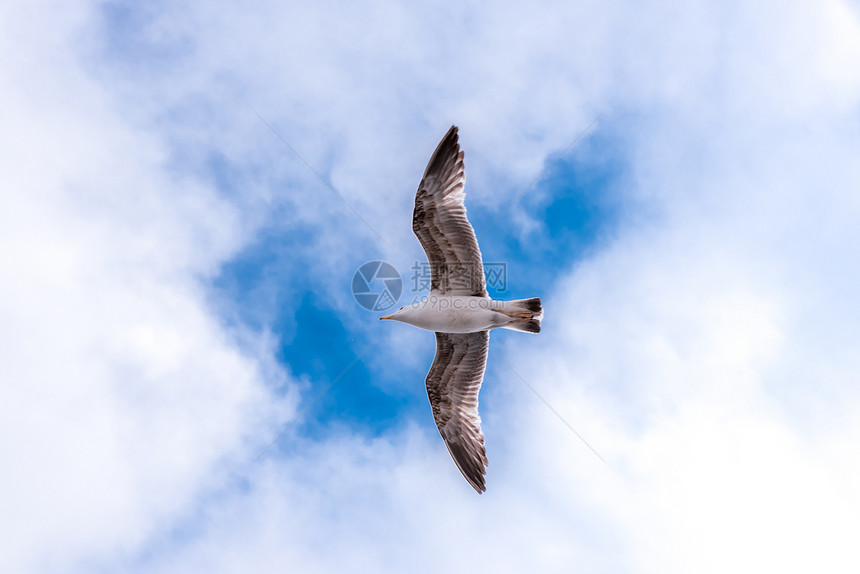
[456, 314]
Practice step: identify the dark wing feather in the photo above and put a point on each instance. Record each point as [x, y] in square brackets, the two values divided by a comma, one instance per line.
[440, 223]
[452, 386]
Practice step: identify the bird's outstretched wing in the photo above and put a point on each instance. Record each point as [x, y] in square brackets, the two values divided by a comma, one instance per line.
[440, 223]
[452, 385]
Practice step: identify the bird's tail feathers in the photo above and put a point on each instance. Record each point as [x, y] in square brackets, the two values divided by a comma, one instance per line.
[526, 315]
[530, 326]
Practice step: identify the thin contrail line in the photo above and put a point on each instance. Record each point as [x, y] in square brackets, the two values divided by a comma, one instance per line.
[561, 418]
[320, 177]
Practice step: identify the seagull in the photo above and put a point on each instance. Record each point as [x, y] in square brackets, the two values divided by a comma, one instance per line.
[458, 309]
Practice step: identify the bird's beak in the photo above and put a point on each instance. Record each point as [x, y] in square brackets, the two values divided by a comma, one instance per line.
[386, 317]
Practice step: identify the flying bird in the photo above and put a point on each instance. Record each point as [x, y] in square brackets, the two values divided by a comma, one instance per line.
[458, 309]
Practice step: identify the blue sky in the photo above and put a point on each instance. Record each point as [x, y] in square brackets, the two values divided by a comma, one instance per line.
[175, 286]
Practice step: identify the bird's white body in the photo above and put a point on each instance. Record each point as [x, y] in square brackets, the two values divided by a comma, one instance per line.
[461, 314]
[454, 314]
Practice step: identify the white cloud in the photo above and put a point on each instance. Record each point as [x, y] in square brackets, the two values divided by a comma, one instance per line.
[122, 398]
[708, 351]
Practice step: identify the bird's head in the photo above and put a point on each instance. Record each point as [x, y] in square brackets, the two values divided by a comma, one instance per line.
[398, 315]
[407, 313]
